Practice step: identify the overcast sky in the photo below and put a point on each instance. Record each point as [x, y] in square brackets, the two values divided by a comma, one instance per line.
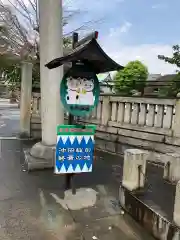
[133, 29]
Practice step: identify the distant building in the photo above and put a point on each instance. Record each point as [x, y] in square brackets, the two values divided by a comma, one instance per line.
[149, 89]
[106, 82]
[155, 82]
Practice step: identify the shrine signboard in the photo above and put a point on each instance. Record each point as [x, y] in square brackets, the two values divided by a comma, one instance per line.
[79, 91]
[74, 149]
[79, 94]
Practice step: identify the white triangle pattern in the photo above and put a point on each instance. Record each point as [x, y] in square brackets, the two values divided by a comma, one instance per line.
[64, 139]
[71, 170]
[90, 169]
[56, 171]
[87, 138]
[58, 137]
[77, 169]
[71, 138]
[63, 169]
[79, 138]
[85, 168]
[92, 137]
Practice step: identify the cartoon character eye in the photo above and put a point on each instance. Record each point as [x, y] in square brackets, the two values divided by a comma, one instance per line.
[67, 97]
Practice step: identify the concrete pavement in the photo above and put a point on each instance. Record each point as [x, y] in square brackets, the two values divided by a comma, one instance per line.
[9, 119]
[32, 204]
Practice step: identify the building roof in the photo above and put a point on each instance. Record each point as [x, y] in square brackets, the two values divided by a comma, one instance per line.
[153, 77]
[155, 80]
[166, 78]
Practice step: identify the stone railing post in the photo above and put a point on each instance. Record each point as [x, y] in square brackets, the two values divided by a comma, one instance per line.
[172, 167]
[176, 214]
[176, 123]
[134, 169]
[106, 110]
[26, 94]
[36, 104]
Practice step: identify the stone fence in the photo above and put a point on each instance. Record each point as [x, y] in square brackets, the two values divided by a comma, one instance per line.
[148, 209]
[125, 122]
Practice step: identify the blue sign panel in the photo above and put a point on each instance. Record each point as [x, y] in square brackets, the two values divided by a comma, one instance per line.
[74, 149]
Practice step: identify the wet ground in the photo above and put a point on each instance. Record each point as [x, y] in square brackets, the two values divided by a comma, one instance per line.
[9, 119]
[34, 206]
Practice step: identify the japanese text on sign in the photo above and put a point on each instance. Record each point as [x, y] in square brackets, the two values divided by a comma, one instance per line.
[73, 150]
[73, 130]
[71, 158]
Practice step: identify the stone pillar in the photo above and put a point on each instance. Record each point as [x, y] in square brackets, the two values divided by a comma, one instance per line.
[105, 110]
[172, 167]
[25, 101]
[52, 113]
[176, 123]
[51, 43]
[134, 169]
[176, 214]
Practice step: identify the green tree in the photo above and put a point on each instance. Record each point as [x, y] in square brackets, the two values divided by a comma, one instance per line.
[175, 59]
[172, 87]
[12, 75]
[132, 77]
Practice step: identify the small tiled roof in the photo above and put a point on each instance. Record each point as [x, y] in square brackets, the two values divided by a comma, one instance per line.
[90, 52]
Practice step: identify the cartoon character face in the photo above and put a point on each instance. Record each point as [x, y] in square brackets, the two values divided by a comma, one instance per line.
[80, 91]
[88, 84]
[73, 84]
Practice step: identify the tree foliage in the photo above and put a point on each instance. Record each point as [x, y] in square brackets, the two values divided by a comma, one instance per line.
[12, 76]
[175, 59]
[173, 87]
[20, 22]
[132, 77]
